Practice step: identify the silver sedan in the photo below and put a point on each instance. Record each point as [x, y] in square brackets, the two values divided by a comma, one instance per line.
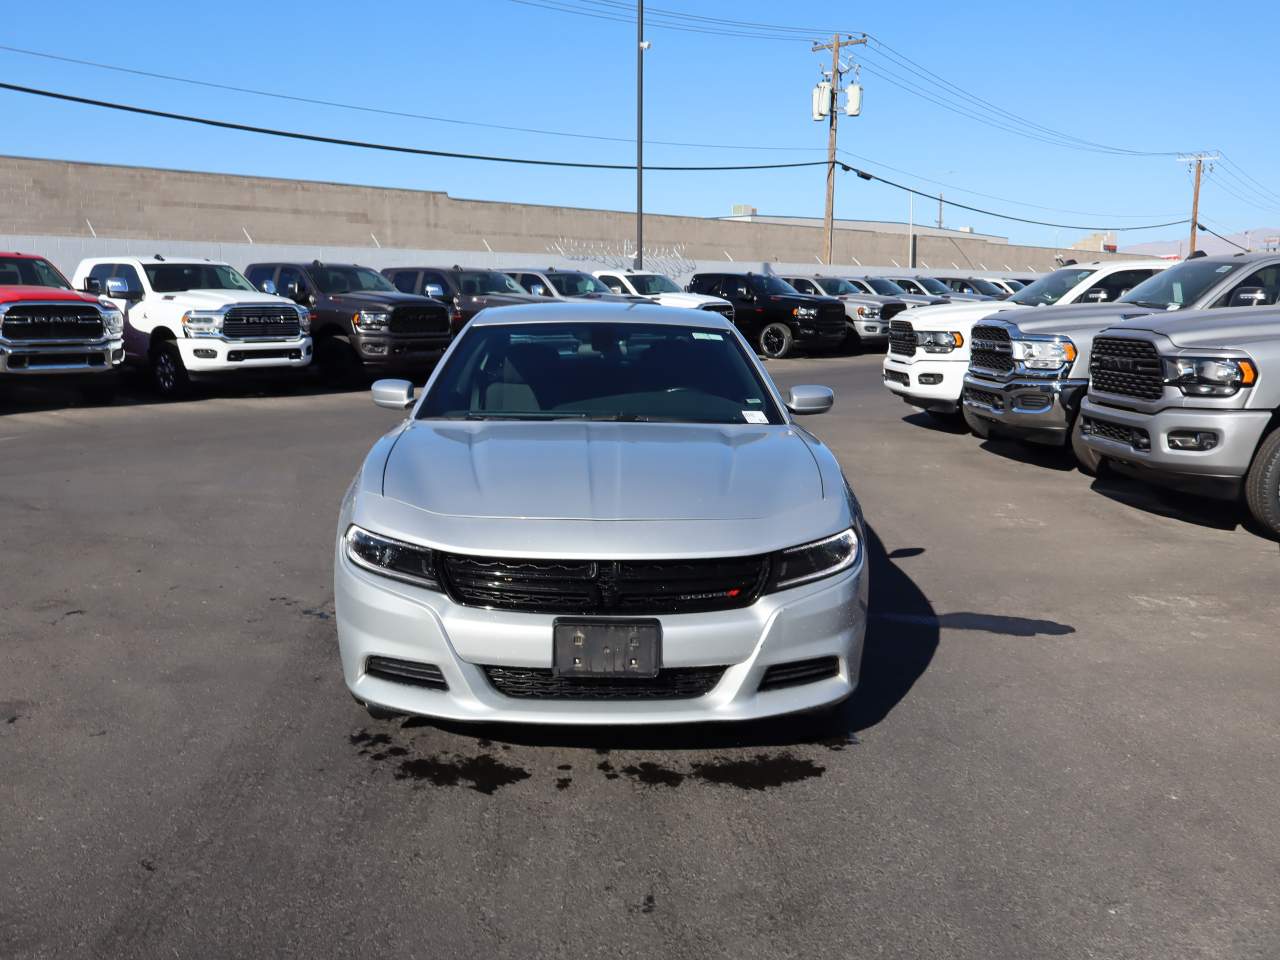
[600, 514]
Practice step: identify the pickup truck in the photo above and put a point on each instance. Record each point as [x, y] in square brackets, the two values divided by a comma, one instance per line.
[885, 287]
[466, 291]
[1192, 401]
[929, 349]
[359, 320]
[972, 286]
[866, 315]
[774, 315]
[662, 290]
[191, 319]
[929, 287]
[1028, 371]
[47, 329]
[552, 284]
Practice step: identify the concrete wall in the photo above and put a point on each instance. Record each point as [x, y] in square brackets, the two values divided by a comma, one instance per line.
[50, 198]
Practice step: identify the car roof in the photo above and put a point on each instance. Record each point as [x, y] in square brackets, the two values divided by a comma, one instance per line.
[641, 311]
[14, 255]
[155, 259]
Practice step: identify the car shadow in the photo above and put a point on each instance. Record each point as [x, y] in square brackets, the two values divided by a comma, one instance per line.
[902, 635]
[1036, 454]
[953, 424]
[1160, 501]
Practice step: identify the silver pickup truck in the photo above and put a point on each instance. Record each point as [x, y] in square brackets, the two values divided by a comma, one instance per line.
[1029, 370]
[1192, 401]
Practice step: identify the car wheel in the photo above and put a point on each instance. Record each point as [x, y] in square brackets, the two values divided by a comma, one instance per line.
[168, 373]
[336, 359]
[981, 428]
[1262, 483]
[1090, 460]
[852, 344]
[775, 341]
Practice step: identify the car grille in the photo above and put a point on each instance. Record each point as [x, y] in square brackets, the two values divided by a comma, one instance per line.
[616, 587]
[891, 310]
[798, 672]
[724, 309]
[406, 671]
[897, 376]
[984, 397]
[276, 323]
[1130, 368]
[1133, 436]
[902, 338]
[830, 321]
[990, 349]
[420, 319]
[27, 322]
[674, 683]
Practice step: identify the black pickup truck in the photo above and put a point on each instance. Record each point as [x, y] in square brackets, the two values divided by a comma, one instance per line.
[774, 315]
[357, 317]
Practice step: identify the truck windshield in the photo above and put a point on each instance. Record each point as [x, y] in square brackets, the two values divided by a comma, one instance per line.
[176, 277]
[600, 371]
[333, 279]
[885, 287]
[1052, 287]
[986, 287]
[771, 285]
[838, 287]
[936, 287]
[573, 284]
[472, 282]
[1179, 286]
[652, 284]
[30, 272]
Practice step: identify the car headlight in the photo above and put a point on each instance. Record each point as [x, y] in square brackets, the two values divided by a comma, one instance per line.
[391, 558]
[112, 318]
[1209, 376]
[1044, 354]
[202, 323]
[304, 320]
[372, 319]
[868, 312]
[804, 313]
[813, 561]
[939, 341]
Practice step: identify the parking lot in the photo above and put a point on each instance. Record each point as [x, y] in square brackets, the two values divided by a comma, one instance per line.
[1065, 743]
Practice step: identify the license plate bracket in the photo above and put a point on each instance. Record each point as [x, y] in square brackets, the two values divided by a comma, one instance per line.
[583, 647]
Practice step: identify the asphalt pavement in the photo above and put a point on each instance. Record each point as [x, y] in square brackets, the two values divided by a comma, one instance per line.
[1066, 744]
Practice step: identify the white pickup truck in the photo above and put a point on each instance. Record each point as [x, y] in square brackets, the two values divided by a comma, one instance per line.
[189, 319]
[661, 289]
[929, 354]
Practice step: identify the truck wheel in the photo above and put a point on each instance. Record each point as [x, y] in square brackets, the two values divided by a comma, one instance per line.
[775, 341]
[1089, 460]
[980, 427]
[168, 373]
[852, 344]
[335, 359]
[1262, 484]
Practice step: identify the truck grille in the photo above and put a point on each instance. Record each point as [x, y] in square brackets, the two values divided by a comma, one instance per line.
[1129, 368]
[984, 397]
[990, 349]
[420, 319]
[615, 587]
[902, 338]
[890, 310]
[268, 320]
[49, 321]
[724, 309]
[1133, 436]
[831, 320]
[674, 683]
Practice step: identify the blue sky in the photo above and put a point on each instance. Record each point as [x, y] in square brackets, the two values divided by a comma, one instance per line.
[1169, 76]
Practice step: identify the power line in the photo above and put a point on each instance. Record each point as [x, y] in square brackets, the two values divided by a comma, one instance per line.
[1265, 190]
[1201, 226]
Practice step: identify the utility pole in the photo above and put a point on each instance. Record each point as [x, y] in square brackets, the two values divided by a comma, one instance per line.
[828, 217]
[641, 46]
[939, 209]
[1198, 160]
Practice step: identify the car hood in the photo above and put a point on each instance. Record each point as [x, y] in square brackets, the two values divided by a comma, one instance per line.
[1076, 317]
[570, 470]
[211, 299]
[19, 293]
[381, 298]
[948, 315]
[1213, 328]
[694, 300]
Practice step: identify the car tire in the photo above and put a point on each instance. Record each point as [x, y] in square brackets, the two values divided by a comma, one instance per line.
[336, 359]
[775, 341]
[980, 427]
[851, 346]
[168, 372]
[1262, 483]
[1088, 459]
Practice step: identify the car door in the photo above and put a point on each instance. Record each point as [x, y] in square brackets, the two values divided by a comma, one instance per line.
[1261, 288]
[406, 281]
[747, 314]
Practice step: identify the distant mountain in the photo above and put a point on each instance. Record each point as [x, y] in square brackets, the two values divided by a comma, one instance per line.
[1255, 239]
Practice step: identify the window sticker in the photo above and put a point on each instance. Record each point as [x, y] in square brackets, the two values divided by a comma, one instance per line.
[754, 416]
[700, 335]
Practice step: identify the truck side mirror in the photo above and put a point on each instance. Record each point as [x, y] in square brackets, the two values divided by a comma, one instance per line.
[92, 285]
[268, 286]
[293, 290]
[538, 290]
[118, 289]
[433, 290]
[1248, 297]
[1095, 295]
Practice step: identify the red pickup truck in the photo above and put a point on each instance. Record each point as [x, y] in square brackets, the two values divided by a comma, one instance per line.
[48, 329]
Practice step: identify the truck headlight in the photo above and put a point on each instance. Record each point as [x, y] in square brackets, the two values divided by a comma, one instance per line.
[868, 312]
[304, 320]
[939, 341]
[813, 561]
[1209, 376]
[372, 319]
[805, 313]
[391, 558]
[112, 318]
[202, 323]
[1044, 354]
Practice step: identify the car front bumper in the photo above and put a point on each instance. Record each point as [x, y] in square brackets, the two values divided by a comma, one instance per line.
[379, 617]
[215, 355]
[32, 358]
[1041, 411]
[926, 383]
[401, 350]
[869, 331]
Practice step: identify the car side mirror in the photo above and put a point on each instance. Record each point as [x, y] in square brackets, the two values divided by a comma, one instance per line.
[433, 290]
[1248, 297]
[808, 399]
[92, 285]
[393, 394]
[538, 290]
[293, 290]
[268, 286]
[1095, 295]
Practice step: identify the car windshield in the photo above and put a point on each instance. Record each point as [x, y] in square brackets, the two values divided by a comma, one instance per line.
[473, 282]
[600, 371]
[1052, 287]
[986, 287]
[936, 287]
[1015, 284]
[885, 287]
[573, 284]
[652, 284]
[838, 287]
[343, 279]
[176, 277]
[30, 272]
[770, 285]
[1179, 286]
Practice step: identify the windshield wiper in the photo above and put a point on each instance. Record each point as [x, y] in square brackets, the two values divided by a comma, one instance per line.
[1149, 303]
[517, 415]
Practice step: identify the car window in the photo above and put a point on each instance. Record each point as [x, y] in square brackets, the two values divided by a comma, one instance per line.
[31, 271]
[129, 275]
[1268, 278]
[652, 284]
[985, 287]
[532, 282]
[102, 272]
[406, 281]
[571, 283]
[600, 371]
[1181, 285]
[1116, 285]
[885, 287]
[767, 284]
[1052, 287]
[703, 284]
[613, 283]
[804, 286]
[177, 277]
[258, 275]
[291, 282]
[335, 279]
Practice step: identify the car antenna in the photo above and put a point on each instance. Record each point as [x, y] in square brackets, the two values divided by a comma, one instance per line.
[160, 258]
[1196, 254]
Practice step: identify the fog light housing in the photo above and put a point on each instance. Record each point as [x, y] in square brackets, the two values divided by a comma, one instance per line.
[930, 379]
[206, 354]
[374, 349]
[1140, 440]
[1192, 440]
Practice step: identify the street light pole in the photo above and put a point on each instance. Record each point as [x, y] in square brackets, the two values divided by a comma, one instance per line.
[640, 48]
